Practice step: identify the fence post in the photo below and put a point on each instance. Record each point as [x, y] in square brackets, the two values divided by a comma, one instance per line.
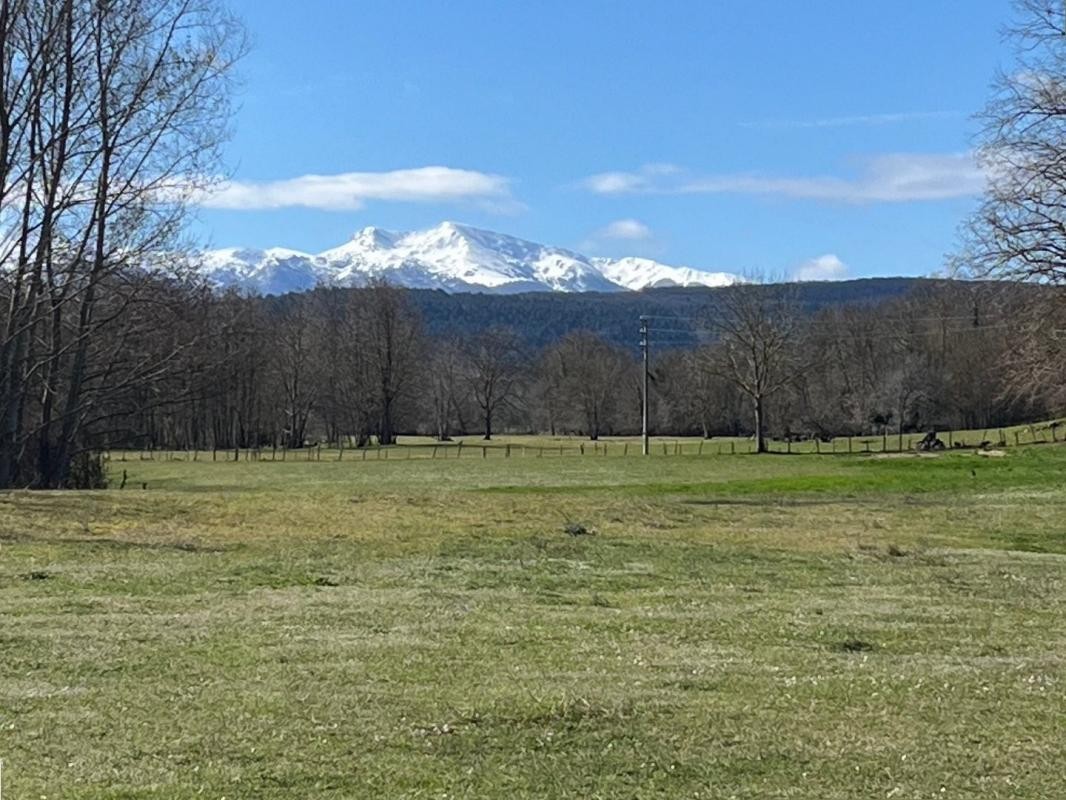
[484, 451]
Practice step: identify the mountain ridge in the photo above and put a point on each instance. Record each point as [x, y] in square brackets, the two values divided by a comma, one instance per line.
[451, 257]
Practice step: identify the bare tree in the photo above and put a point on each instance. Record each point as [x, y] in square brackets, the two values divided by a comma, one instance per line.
[111, 119]
[393, 341]
[1019, 230]
[444, 389]
[548, 390]
[756, 327]
[494, 368]
[294, 365]
[588, 373]
[693, 398]
[1036, 349]
[237, 408]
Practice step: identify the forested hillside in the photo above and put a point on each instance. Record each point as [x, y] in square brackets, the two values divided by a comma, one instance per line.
[541, 318]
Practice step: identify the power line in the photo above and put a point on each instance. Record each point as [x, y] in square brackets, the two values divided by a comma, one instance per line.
[969, 328]
[948, 318]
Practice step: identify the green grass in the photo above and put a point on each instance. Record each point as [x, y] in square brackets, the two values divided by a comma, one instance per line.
[749, 627]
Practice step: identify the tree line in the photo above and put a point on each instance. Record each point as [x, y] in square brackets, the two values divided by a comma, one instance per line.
[353, 367]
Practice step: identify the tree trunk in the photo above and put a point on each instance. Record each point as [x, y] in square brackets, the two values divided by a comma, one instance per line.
[760, 436]
[386, 435]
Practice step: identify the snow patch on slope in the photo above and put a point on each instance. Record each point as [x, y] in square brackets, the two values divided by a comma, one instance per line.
[642, 273]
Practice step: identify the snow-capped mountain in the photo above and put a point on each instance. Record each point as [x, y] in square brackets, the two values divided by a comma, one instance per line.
[643, 273]
[452, 257]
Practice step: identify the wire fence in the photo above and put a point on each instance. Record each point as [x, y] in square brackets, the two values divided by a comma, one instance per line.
[988, 438]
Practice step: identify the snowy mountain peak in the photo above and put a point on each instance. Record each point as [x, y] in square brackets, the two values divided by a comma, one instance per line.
[450, 228]
[374, 238]
[452, 256]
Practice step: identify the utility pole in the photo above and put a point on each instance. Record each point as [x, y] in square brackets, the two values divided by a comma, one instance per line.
[644, 411]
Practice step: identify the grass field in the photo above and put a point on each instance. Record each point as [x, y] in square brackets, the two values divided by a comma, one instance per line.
[729, 627]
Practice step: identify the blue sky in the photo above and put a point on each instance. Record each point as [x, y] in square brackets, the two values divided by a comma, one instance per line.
[762, 137]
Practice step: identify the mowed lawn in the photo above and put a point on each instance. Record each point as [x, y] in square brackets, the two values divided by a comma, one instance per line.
[729, 627]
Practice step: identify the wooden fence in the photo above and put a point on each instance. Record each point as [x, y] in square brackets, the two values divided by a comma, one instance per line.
[1046, 433]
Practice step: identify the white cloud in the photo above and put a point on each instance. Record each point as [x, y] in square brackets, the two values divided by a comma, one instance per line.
[349, 191]
[644, 180]
[849, 121]
[630, 229]
[632, 235]
[823, 268]
[615, 183]
[893, 178]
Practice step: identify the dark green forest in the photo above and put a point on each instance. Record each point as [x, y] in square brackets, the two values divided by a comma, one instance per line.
[542, 318]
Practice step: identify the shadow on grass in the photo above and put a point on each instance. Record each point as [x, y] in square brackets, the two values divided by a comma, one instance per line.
[105, 542]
